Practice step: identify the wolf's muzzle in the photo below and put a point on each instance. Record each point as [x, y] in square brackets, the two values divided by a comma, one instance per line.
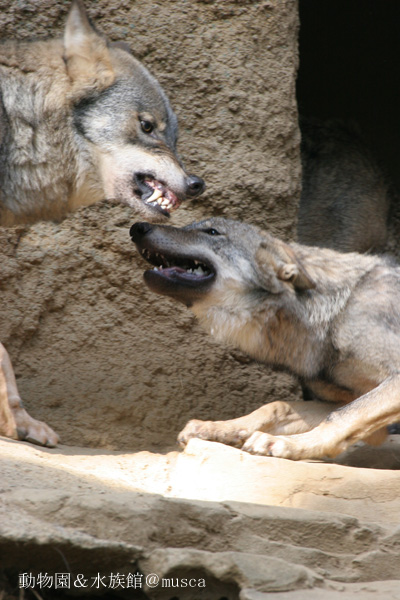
[178, 271]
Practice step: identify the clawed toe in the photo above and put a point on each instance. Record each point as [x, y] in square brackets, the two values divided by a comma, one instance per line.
[35, 432]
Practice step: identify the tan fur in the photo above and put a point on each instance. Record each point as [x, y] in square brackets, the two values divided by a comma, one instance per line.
[14, 420]
[331, 319]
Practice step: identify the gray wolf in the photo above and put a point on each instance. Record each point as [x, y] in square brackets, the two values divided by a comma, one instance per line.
[345, 197]
[332, 319]
[81, 120]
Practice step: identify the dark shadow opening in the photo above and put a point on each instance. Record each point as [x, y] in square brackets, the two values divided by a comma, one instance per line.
[349, 69]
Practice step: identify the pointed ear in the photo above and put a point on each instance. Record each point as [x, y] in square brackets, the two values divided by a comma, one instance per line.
[292, 270]
[296, 274]
[278, 259]
[86, 54]
[267, 267]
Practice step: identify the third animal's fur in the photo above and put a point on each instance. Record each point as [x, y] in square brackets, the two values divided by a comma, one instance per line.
[345, 196]
[332, 319]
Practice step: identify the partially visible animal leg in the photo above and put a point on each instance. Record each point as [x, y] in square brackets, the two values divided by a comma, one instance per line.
[15, 422]
[276, 417]
[366, 418]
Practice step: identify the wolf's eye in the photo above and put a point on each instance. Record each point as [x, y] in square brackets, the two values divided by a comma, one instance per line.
[211, 231]
[147, 126]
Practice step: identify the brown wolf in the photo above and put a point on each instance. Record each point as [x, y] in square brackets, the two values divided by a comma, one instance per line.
[332, 319]
[81, 120]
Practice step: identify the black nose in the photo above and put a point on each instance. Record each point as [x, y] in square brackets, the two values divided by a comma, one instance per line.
[138, 230]
[194, 186]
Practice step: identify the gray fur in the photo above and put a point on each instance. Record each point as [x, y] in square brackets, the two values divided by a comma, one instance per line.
[331, 319]
[70, 127]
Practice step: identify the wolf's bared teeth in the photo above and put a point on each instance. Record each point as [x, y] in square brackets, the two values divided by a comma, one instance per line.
[165, 203]
[158, 198]
[161, 196]
[199, 270]
[155, 196]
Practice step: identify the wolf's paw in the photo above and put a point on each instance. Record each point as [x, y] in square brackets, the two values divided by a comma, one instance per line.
[224, 432]
[265, 444]
[195, 429]
[33, 431]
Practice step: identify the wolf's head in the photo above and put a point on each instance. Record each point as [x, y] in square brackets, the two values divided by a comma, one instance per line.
[218, 262]
[124, 122]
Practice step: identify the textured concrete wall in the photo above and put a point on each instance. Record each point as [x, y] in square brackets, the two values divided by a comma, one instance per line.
[97, 356]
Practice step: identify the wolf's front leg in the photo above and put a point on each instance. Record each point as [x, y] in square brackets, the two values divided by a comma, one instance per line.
[225, 432]
[294, 447]
[275, 417]
[366, 418]
[14, 420]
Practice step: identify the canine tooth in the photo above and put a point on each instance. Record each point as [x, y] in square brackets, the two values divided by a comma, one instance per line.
[155, 195]
[164, 203]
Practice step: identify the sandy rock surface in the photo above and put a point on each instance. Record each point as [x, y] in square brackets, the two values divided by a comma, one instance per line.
[249, 526]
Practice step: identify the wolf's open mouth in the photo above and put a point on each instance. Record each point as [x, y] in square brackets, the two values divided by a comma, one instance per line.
[156, 195]
[191, 271]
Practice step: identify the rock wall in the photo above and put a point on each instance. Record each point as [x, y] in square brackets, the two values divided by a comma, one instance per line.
[101, 359]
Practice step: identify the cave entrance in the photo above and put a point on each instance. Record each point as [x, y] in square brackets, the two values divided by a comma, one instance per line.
[349, 69]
